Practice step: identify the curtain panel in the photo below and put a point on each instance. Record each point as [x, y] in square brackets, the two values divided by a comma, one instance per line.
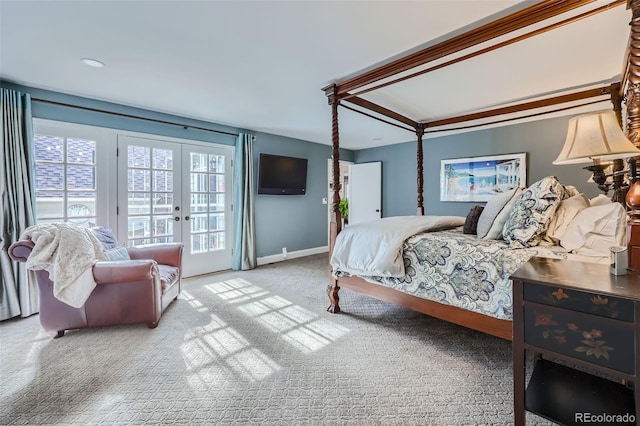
[244, 236]
[18, 291]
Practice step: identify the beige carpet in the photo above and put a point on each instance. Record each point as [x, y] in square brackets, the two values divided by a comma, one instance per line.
[258, 347]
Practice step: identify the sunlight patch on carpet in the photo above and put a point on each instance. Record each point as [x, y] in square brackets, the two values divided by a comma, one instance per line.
[217, 346]
[236, 290]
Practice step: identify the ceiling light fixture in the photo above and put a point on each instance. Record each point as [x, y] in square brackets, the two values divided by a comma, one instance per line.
[92, 62]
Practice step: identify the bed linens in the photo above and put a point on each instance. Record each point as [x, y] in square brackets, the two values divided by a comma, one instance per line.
[461, 270]
[374, 248]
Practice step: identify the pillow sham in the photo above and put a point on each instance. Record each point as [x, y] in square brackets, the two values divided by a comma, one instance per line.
[495, 232]
[471, 222]
[595, 229]
[491, 210]
[567, 210]
[600, 200]
[532, 212]
[117, 253]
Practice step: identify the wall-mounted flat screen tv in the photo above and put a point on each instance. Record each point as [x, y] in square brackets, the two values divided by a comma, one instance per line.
[279, 175]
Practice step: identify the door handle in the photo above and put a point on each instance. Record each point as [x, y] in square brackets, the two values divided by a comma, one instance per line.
[177, 219]
[377, 210]
[186, 218]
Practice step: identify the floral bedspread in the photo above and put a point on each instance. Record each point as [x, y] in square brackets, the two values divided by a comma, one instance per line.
[461, 270]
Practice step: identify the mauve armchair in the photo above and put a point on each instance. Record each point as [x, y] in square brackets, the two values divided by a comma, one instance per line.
[127, 291]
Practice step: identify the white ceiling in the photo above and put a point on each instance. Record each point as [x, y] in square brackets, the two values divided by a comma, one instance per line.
[261, 65]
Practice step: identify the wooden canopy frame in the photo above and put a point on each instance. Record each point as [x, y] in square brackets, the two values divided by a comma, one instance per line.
[350, 90]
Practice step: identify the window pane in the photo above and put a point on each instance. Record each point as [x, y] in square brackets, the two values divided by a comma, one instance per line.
[216, 163]
[216, 222]
[163, 203]
[198, 182]
[139, 203]
[198, 243]
[216, 241]
[216, 183]
[49, 205]
[48, 148]
[50, 176]
[138, 227]
[162, 159]
[216, 202]
[162, 225]
[81, 177]
[81, 204]
[139, 180]
[81, 151]
[198, 162]
[199, 223]
[162, 181]
[139, 241]
[139, 156]
[166, 239]
[198, 203]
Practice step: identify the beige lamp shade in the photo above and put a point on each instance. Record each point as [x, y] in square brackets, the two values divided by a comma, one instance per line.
[595, 136]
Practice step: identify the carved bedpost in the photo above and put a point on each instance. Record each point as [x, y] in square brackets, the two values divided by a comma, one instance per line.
[632, 94]
[420, 133]
[619, 188]
[632, 102]
[335, 225]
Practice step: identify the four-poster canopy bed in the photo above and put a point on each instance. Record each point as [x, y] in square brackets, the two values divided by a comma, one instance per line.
[350, 91]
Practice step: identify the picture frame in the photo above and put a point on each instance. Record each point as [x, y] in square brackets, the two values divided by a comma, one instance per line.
[480, 178]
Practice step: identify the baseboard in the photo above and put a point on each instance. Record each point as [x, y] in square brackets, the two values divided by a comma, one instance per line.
[291, 255]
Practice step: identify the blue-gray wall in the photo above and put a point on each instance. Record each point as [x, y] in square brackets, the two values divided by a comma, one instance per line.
[296, 222]
[541, 140]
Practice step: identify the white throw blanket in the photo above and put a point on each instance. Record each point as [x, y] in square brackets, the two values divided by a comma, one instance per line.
[68, 252]
[374, 248]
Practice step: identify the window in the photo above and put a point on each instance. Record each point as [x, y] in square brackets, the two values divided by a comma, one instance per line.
[65, 179]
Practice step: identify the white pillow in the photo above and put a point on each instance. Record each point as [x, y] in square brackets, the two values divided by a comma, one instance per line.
[595, 229]
[491, 210]
[599, 200]
[495, 232]
[567, 211]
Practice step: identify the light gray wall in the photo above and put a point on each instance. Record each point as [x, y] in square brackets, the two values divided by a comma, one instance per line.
[541, 140]
[297, 222]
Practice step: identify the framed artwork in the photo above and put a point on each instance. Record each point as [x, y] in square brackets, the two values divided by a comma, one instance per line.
[479, 178]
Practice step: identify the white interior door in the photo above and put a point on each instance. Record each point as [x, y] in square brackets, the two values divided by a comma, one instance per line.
[365, 192]
[168, 191]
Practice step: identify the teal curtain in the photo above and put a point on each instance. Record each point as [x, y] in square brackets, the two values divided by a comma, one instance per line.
[244, 235]
[18, 290]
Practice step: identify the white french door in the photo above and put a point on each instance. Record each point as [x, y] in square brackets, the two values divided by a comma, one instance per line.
[207, 196]
[169, 191]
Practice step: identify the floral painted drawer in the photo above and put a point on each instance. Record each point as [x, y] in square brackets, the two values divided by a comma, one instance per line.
[592, 338]
[604, 306]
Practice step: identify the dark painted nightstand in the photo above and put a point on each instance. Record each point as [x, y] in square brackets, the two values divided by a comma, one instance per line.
[580, 314]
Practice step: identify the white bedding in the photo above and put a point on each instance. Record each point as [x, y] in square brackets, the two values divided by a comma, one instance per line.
[374, 248]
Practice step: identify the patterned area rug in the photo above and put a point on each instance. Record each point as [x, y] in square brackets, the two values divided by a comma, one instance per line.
[258, 347]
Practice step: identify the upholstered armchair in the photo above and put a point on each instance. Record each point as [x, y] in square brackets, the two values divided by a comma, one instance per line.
[135, 290]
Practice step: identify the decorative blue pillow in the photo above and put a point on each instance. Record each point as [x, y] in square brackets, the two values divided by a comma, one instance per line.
[532, 212]
[105, 236]
[118, 253]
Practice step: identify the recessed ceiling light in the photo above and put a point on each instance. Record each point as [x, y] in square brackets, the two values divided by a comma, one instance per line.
[92, 62]
[376, 139]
